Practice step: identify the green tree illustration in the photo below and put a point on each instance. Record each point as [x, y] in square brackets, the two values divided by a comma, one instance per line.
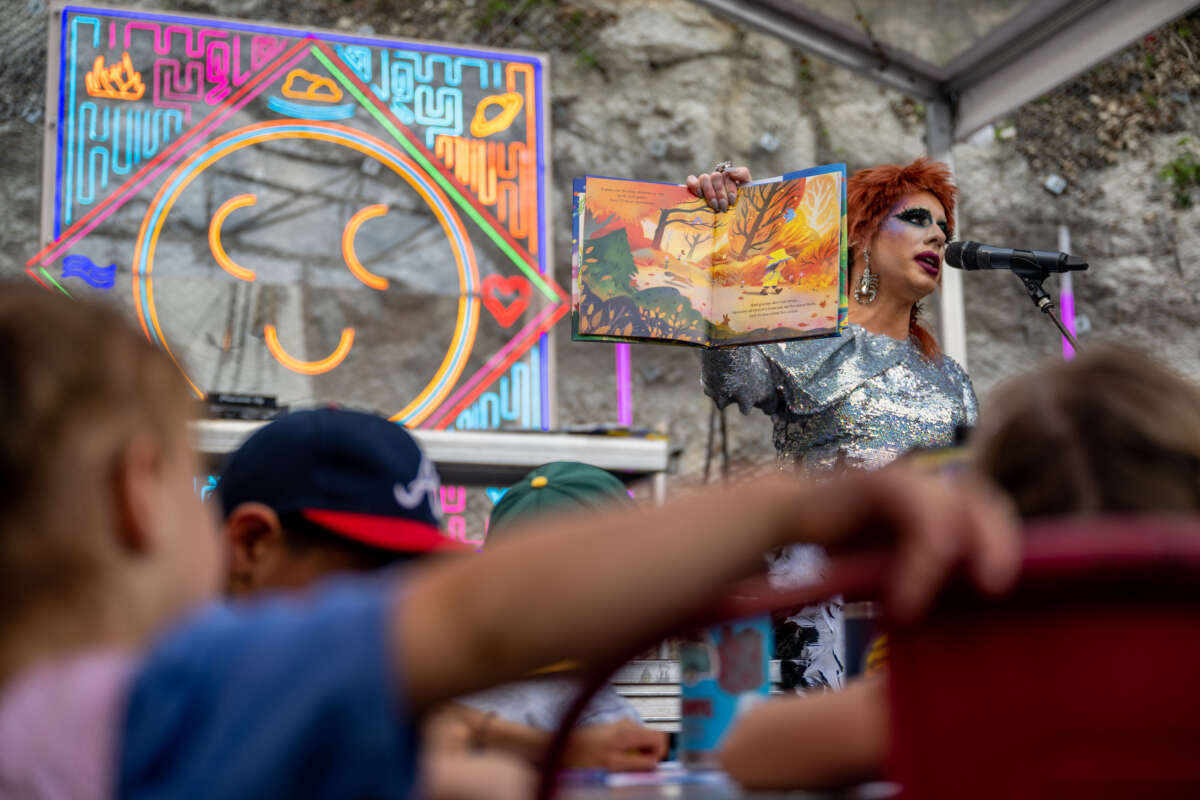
[608, 265]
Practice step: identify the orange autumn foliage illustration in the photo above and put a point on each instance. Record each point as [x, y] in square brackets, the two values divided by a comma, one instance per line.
[671, 206]
[810, 237]
[655, 263]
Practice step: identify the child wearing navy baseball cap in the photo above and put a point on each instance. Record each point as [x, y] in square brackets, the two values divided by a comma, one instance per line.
[315, 493]
[329, 490]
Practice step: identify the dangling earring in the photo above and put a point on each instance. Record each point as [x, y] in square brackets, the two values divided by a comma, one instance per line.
[868, 284]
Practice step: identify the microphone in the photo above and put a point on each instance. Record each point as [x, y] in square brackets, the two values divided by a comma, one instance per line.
[1026, 263]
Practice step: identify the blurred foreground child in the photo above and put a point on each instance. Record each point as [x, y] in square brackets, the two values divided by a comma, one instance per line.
[118, 676]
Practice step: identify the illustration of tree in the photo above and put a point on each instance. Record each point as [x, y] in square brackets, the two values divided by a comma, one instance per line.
[692, 213]
[817, 263]
[667, 314]
[693, 240]
[616, 317]
[727, 274]
[608, 208]
[598, 221]
[607, 213]
[608, 265]
[759, 210]
[820, 204]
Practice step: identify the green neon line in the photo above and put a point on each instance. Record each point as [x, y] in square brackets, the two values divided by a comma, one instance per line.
[448, 187]
[50, 278]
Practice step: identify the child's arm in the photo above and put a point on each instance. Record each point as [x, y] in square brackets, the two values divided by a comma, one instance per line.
[585, 586]
[623, 745]
[812, 742]
[476, 776]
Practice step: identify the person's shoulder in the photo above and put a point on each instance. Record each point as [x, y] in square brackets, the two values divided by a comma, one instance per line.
[954, 371]
[59, 725]
[810, 349]
[88, 668]
[952, 368]
[538, 704]
[960, 386]
[66, 685]
[302, 678]
[225, 627]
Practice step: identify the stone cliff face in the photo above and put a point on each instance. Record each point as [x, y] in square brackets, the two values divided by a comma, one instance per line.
[659, 111]
[660, 88]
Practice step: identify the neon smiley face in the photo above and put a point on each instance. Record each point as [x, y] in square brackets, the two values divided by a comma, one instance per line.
[270, 333]
[468, 305]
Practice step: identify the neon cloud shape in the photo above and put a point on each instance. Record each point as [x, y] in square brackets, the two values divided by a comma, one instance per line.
[317, 89]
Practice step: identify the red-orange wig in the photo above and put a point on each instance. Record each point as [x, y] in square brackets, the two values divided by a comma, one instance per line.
[871, 193]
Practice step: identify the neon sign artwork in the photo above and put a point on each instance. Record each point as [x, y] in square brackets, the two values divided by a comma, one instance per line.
[319, 216]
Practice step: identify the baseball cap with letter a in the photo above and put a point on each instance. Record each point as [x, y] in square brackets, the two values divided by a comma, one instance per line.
[354, 474]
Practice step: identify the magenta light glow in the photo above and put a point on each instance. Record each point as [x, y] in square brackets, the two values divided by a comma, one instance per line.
[624, 387]
[1066, 296]
[1066, 302]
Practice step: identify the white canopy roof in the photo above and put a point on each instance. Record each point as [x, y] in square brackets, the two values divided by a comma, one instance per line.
[984, 62]
[969, 63]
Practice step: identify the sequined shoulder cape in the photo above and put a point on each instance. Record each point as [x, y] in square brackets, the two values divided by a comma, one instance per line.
[860, 399]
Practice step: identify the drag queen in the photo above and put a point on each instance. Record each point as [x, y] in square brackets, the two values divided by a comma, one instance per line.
[862, 399]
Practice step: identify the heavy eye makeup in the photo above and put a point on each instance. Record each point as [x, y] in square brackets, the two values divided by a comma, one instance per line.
[922, 218]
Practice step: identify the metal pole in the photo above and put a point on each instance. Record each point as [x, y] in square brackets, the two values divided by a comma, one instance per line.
[658, 488]
[939, 142]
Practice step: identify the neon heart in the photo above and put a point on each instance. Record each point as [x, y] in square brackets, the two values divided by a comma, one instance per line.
[497, 290]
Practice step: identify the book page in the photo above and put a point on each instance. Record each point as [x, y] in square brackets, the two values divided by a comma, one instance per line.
[577, 236]
[777, 260]
[644, 262]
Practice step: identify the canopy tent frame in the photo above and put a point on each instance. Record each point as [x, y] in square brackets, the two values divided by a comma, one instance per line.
[1040, 47]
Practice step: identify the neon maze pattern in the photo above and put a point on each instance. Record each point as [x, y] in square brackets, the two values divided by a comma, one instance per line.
[213, 175]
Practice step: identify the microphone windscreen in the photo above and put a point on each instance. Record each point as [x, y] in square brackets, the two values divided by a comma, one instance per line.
[954, 254]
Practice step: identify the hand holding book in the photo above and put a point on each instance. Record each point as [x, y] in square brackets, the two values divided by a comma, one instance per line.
[719, 188]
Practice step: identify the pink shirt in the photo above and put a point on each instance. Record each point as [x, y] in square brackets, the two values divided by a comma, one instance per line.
[58, 728]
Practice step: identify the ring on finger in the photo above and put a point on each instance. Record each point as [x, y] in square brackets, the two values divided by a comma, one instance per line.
[722, 166]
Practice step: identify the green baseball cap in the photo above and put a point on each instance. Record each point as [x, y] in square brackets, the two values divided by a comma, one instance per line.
[557, 486]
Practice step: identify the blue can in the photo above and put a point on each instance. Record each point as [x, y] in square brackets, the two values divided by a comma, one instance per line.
[724, 672]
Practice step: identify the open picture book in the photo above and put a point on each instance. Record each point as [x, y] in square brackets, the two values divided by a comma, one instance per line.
[651, 262]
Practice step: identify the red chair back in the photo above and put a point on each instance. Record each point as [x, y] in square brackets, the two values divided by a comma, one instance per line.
[1084, 682]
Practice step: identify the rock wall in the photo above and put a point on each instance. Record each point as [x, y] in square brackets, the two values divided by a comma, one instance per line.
[660, 88]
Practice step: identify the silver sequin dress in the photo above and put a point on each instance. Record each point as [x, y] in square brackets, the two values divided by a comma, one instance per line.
[857, 400]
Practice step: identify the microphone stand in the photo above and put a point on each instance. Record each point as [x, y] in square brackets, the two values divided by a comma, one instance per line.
[1032, 277]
